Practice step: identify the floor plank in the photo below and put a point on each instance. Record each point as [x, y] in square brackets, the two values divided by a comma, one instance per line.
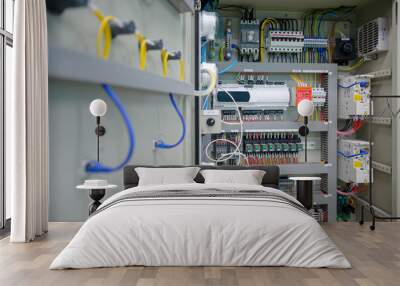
[375, 257]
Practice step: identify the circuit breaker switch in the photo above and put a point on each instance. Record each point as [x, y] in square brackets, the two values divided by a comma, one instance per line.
[354, 96]
[210, 122]
[353, 161]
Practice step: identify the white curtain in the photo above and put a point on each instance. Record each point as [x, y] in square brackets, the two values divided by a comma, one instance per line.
[27, 124]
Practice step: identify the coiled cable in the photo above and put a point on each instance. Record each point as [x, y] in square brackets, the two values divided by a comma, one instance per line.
[97, 167]
[160, 143]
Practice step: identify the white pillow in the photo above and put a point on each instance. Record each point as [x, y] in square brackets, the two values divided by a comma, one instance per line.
[166, 176]
[248, 177]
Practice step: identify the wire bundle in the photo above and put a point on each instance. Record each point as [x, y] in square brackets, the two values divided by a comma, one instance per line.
[352, 190]
[237, 145]
[267, 22]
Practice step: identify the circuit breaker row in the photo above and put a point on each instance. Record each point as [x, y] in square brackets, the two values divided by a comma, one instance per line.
[277, 41]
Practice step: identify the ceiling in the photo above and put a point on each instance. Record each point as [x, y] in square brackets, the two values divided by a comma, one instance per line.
[295, 5]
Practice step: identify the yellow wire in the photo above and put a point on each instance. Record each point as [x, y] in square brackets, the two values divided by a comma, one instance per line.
[211, 86]
[182, 69]
[103, 51]
[221, 54]
[296, 78]
[142, 50]
[164, 61]
[354, 66]
[98, 14]
[262, 44]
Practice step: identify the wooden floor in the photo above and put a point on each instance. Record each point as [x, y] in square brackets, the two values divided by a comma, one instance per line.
[375, 257]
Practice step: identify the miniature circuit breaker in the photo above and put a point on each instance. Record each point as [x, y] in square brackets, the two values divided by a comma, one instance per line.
[354, 96]
[318, 96]
[285, 41]
[353, 161]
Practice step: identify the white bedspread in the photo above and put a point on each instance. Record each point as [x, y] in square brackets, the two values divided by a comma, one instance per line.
[200, 231]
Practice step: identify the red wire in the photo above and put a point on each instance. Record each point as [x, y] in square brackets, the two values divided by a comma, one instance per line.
[356, 125]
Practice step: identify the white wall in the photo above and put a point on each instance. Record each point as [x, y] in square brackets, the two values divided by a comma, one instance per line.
[72, 138]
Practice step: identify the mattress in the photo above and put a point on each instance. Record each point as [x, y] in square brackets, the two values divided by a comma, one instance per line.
[201, 225]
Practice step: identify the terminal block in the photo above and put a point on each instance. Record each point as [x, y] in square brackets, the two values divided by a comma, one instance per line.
[316, 43]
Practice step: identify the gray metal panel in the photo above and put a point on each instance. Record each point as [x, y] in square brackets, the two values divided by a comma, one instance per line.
[280, 68]
[320, 198]
[70, 65]
[294, 5]
[183, 6]
[2, 96]
[395, 123]
[332, 142]
[275, 125]
[153, 117]
[305, 169]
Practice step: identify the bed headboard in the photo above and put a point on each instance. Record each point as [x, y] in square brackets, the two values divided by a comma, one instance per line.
[271, 177]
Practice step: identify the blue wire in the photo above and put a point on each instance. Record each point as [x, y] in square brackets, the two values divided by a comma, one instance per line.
[233, 63]
[361, 83]
[362, 153]
[204, 50]
[160, 143]
[203, 55]
[97, 167]
[228, 68]
[205, 104]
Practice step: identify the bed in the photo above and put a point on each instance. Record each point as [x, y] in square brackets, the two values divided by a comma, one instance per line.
[199, 224]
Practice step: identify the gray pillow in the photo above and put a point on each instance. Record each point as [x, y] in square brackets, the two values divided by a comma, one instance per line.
[166, 176]
[248, 177]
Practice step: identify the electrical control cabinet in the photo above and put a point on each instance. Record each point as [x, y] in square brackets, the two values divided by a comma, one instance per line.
[354, 96]
[353, 161]
[299, 54]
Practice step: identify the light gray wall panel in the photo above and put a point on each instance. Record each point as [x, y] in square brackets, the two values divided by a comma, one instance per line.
[72, 138]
